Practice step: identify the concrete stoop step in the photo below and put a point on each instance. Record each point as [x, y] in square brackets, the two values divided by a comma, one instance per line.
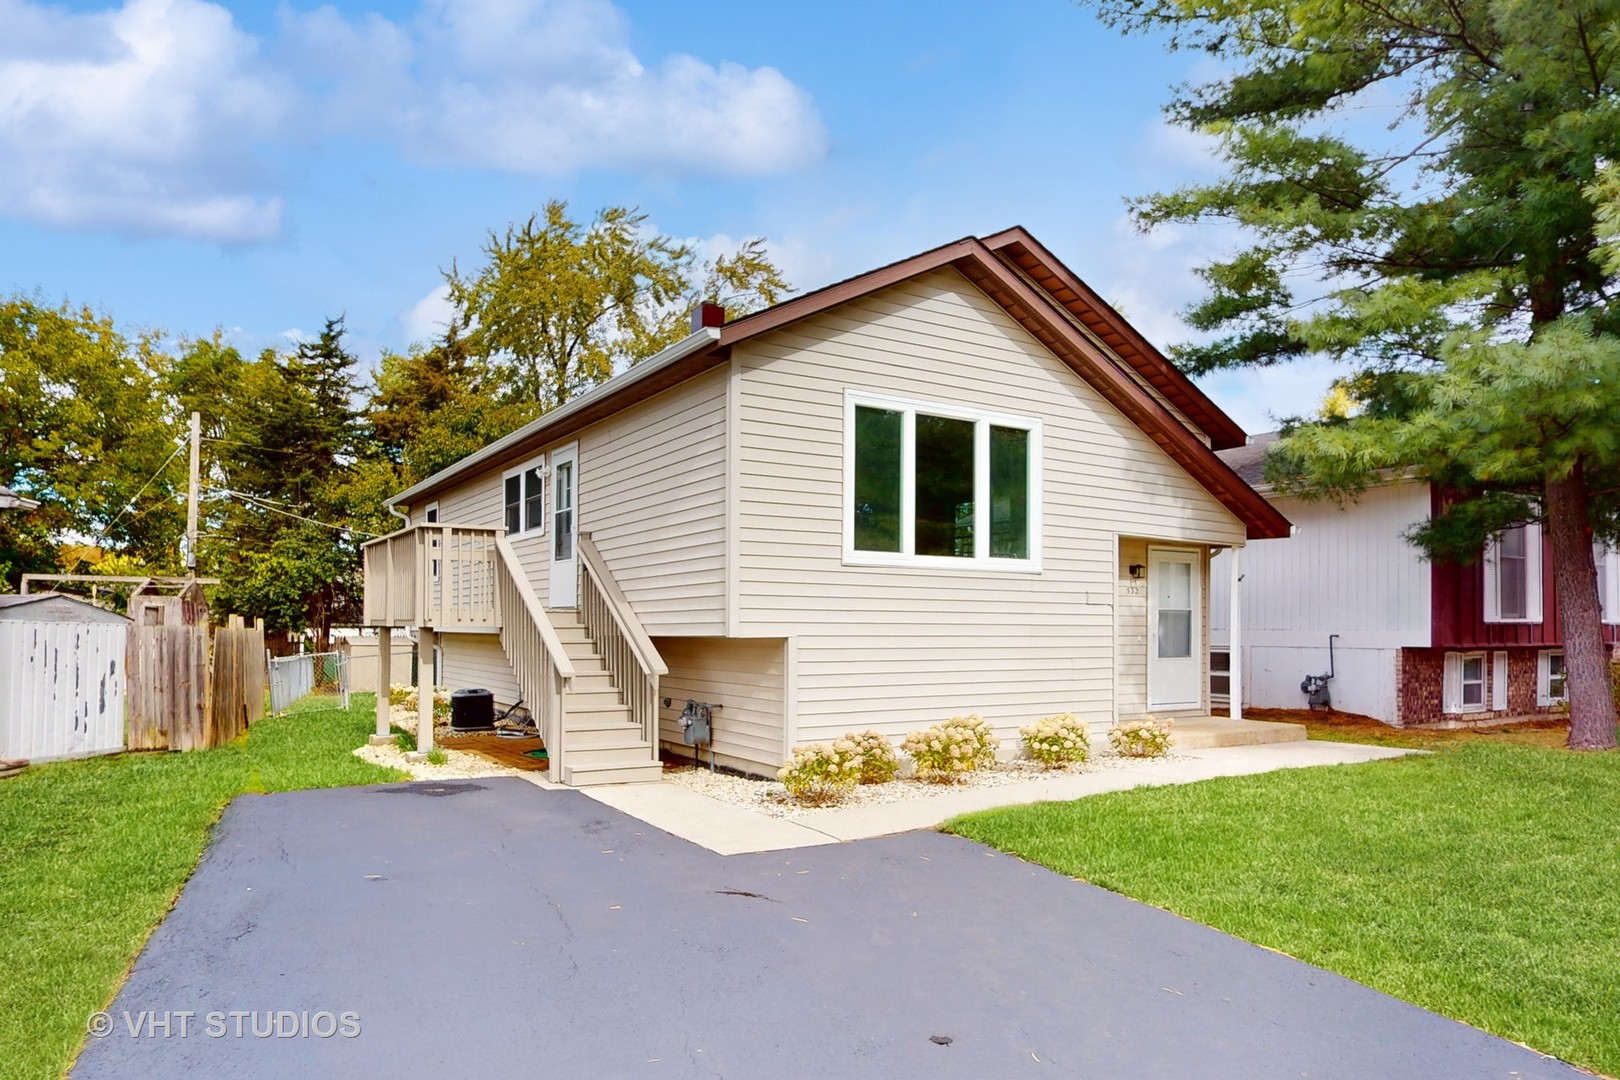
[1205, 733]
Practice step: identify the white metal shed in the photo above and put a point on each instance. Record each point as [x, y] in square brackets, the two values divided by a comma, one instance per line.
[61, 678]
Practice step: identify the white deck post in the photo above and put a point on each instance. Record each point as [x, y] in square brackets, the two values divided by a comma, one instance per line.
[385, 662]
[1234, 637]
[424, 689]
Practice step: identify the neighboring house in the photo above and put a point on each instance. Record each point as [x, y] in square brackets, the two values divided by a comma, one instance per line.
[10, 500]
[1413, 642]
[960, 483]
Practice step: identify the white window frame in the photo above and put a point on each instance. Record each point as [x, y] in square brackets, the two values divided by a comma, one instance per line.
[523, 495]
[1532, 579]
[1452, 695]
[983, 421]
[1607, 561]
[430, 514]
[1544, 696]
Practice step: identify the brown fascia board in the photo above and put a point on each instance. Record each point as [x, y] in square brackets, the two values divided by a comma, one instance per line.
[1029, 255]
[1033, 310]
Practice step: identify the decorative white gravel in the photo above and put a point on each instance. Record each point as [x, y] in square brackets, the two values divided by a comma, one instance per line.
[769, 797]
[458, 764]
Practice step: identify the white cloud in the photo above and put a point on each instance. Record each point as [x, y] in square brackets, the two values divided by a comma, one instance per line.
[550, 88]
[141, 118]
[159, 116]
[428, 317]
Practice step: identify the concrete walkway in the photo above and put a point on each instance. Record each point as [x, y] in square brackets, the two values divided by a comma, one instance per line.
[733, 830]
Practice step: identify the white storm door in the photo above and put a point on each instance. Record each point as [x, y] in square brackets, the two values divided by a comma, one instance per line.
[1175, 667]
[564, 521]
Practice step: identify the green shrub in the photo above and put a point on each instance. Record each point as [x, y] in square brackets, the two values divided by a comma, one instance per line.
[1058, 740]
[437, 756]
[406, 741]
[1147, 737]
[944, 752]
[400, 693]
[879, 761]
[822, 773]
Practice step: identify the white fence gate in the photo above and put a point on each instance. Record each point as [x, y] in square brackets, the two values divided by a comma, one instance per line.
[61, 689]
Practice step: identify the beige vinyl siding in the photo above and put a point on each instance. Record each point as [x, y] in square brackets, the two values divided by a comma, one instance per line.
[895, 648]
[474, 661]
[1131, 627]
[653, 497]
[746, 675]
[652, 494]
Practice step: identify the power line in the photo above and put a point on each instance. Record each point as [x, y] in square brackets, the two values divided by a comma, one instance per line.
[253, 500]
[106, 533]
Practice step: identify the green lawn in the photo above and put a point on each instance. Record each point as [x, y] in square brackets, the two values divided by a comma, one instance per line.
[1482, 882]
[96, 851]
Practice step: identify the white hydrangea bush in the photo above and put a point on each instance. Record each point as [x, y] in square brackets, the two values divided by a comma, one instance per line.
[947, 751]
[1057, 741]
[1147, 737]
[880, 763]
[821, 773]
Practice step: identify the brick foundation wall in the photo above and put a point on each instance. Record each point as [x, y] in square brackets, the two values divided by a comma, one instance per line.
[1420, 676]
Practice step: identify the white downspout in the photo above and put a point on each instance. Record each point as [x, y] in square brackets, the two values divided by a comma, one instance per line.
[1234, 636]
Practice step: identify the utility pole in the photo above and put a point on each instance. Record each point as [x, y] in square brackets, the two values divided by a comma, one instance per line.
[193, 490]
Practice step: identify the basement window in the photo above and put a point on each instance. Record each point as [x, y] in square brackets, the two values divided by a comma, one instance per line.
[1220, 675]
[1464, 682]
[1551, 686]
[940, 486]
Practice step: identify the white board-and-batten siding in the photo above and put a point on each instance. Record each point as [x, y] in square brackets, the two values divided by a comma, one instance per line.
[895, 648]
[1347, 570]
[62, 689]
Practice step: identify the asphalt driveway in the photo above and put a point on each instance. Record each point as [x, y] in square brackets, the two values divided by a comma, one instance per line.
[490, 928]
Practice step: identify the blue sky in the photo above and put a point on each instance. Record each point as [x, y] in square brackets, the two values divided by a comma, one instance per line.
[185, 165]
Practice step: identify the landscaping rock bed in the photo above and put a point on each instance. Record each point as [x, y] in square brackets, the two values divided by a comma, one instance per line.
[458, 765]
[769, 797]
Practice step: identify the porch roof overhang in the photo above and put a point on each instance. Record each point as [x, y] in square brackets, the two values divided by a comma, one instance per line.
[1006, 277]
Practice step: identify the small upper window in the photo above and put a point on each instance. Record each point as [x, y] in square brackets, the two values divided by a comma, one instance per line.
[940, 485]
[1607, 560]
[524, 498]
[432, 514]
[1513, 575]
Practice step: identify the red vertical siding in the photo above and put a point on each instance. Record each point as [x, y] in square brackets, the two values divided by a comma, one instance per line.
[1457, 599]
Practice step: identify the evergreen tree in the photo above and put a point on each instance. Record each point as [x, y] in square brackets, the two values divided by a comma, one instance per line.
[1451, 259]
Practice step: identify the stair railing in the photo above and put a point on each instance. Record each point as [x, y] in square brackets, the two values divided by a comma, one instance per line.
[627, 651]
[544, 671]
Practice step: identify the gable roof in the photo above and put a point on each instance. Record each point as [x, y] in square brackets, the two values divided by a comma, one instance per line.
[55, 607]
[1007, 275]
[1249, 461]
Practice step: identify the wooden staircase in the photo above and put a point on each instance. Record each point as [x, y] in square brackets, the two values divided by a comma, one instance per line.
[604, 744]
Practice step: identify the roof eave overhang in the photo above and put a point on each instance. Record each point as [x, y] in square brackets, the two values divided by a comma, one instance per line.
[650, 375]
[1025, 251]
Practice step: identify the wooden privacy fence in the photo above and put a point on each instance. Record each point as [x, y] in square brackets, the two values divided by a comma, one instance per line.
[236, 694]
[184, 695]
